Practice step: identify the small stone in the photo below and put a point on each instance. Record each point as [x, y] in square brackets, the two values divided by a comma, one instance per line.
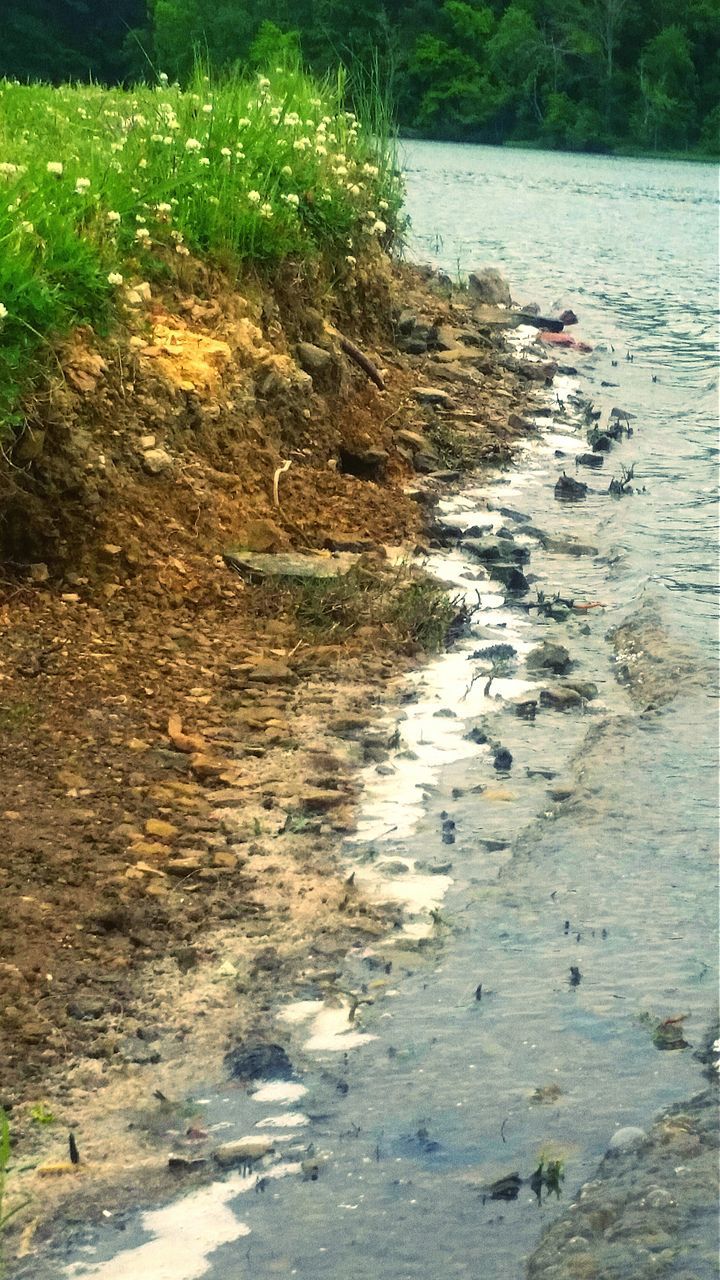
[149, 849]
[157, 461]
[434, 396]
[549, 657]
[569, 490]
[186, 1164]
[560, 697]
[269, 671]
[164, 830]
[626, 1138]
[87, 1008]
[258, 1061]
[39, 572]
[147, 442]
[489, 286]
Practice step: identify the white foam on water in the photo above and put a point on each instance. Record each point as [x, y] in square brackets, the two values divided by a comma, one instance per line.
[279, 1091]
[333, 1032]
[300, 1010]
[286, 1120]
[185, 1234]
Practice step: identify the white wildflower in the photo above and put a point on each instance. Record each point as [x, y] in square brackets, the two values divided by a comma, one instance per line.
[3, 312]
[383, 204]
[320, 150]
[243, 122]
[55, 167]
[142, 235]
[263, 82]
[205, 160]
[226, 152]
[182, 250]
[287, 170]
[192, 144]
[266, 211]
[163, 207]
[379, 227]
[253, 197]
[115, 278]
[142, 163]
[82, 186]
[207, 108]
[292, 118]
[163, 77]
[351, 261]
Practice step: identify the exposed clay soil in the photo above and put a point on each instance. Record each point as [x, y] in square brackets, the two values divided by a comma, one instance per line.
[178, 749]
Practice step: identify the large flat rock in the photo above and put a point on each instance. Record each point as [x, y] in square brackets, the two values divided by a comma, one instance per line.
[288, 564]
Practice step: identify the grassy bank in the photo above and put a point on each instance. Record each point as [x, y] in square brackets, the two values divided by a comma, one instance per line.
[102, 188]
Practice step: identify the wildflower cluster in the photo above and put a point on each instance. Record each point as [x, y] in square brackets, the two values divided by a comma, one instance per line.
[100, 186]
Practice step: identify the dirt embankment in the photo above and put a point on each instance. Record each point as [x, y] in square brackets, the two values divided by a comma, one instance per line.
[179, 743]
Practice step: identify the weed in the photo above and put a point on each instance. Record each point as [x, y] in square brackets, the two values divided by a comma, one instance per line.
[14, 715]
[40, 1114]
[102, 186]
[5, 1214]
[405, 609]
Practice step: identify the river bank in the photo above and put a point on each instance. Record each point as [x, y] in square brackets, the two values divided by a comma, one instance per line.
[181, 742]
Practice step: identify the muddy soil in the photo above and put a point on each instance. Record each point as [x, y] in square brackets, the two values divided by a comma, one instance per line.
[179, 744]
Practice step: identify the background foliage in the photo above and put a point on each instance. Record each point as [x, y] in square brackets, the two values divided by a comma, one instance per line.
[584, 74]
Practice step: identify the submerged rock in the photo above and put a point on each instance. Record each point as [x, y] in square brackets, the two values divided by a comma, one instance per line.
[502, 759]
[258, 1061]
[549, 657]
[511, 577]
[494, 549]
[242, 1152]
[569, 490]
[561, 697]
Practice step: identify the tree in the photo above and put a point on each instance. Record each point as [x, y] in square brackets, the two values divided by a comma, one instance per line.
[667, 89]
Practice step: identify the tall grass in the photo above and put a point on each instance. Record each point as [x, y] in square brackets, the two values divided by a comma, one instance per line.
[102, 187]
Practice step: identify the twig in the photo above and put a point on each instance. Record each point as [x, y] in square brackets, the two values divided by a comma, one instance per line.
[276, 481]
[362, 360]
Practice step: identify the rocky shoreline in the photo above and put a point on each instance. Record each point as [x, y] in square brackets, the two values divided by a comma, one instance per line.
[175, 806]
[651, 1209]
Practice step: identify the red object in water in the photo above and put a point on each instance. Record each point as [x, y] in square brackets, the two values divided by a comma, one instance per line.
[563, 340]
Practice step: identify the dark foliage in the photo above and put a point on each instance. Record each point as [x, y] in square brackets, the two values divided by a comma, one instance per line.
[583, 74]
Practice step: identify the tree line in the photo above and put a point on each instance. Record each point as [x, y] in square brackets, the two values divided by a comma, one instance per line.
[582, 74]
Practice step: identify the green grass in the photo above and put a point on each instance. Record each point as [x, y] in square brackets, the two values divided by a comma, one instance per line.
[5, 1214]
[100, 188]
[407, 610]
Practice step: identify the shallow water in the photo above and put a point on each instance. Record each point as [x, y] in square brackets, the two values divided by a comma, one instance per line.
[426, 1097]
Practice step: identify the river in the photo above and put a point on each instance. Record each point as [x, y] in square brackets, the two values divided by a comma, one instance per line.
[577, 888]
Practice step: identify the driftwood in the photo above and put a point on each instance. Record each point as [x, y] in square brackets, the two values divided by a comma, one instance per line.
[361, 359]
